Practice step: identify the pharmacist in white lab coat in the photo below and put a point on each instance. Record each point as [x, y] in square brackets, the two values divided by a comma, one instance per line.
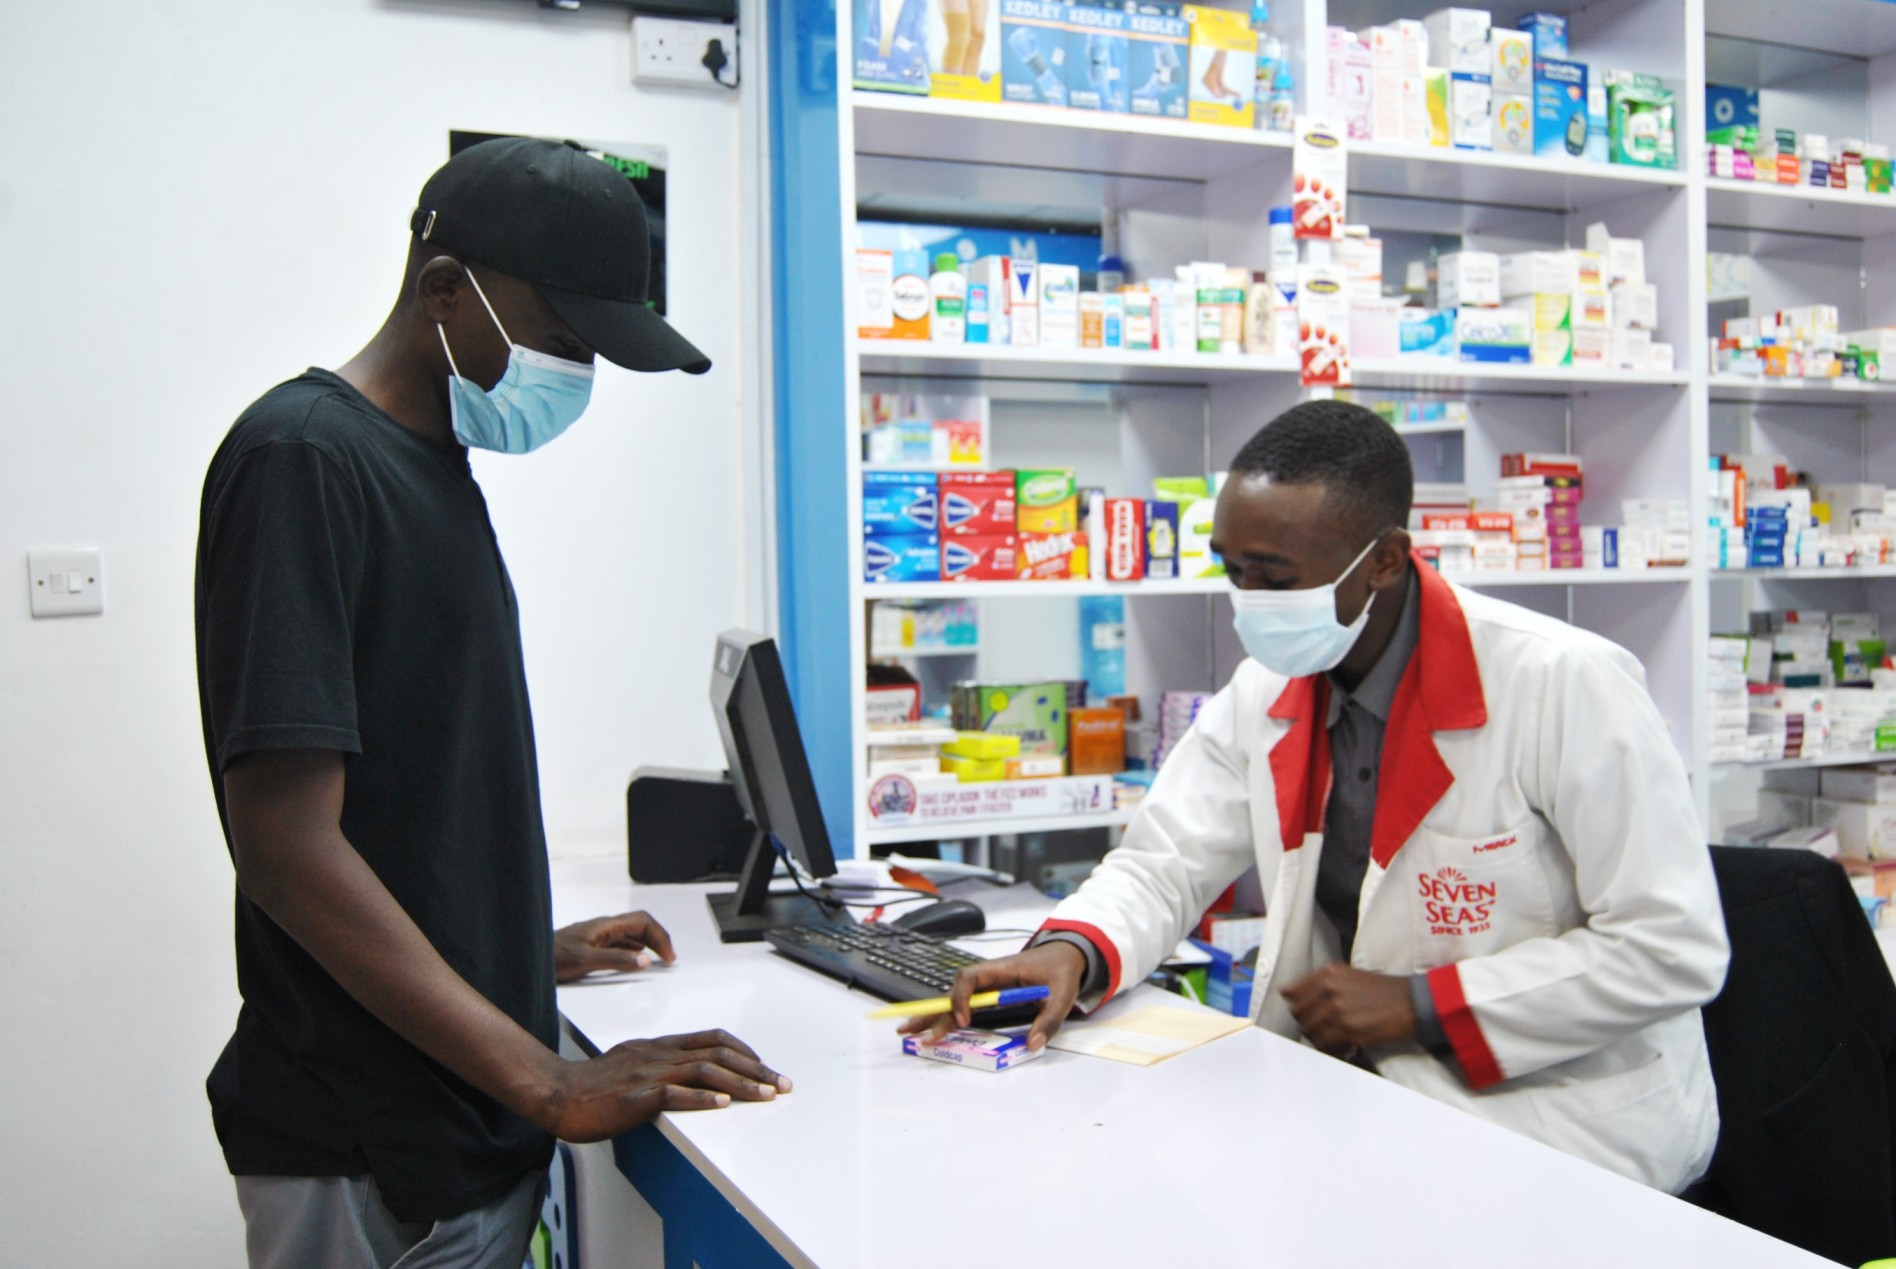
[1483, 868]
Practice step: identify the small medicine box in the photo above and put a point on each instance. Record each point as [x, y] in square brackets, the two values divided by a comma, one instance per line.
[981, 1050]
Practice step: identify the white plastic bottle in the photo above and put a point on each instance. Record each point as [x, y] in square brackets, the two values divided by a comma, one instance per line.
[948, 297]
[1270, 55]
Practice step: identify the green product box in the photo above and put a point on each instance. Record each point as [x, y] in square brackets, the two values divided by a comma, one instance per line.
[1742, 136]
[1046, 501]
[1639, 121]
[1876, 174]
[1885, 737]
[1034, 712]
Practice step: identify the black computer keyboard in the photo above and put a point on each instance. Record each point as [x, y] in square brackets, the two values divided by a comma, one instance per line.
[889, 963]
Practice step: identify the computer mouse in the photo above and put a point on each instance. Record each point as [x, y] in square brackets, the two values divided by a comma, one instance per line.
[949, 919]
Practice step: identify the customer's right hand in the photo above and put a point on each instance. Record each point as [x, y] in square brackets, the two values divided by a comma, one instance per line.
[1058, 966]
[630, 1083]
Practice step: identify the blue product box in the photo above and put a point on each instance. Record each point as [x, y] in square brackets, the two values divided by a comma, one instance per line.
[1729, 107]
[1161, 526]
[1560, 108]
[1033, 52]
[1425, 332]
[900, 503]
[1549, 32]
[1228, 980]
[912, 557]
[1096, 57]
[1158, 51]
[892, 58]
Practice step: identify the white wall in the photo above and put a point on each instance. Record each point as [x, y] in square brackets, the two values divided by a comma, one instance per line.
[201, 197]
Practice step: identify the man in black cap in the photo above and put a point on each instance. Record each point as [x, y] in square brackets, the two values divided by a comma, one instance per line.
[393, 1086]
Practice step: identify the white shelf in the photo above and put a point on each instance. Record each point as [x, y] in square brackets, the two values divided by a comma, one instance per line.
[1853, 28]
[1432, 429]
[896, 654]
[1806, 574]
[1043, 590]
[950, 830]
[1761, 391]
[1797, 209]
[1572, 577]
[916, 358]
[1443, 375]
[1007, 135]
[1800, 764]
[1505, 180]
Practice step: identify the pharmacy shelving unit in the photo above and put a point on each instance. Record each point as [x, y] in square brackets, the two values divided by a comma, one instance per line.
[1826, 67]
[1180, 191]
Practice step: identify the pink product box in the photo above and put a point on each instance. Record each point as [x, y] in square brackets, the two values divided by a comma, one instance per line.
[1563, 513]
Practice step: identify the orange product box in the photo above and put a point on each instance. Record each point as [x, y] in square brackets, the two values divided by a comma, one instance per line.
[1052, 556]
[1491, 521]
[1125, 539]
[1096, 741]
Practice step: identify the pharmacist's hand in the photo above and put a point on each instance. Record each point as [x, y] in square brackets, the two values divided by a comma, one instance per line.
[621, 944]
[630, 1083]
[1059, 967]
[1339, 1009]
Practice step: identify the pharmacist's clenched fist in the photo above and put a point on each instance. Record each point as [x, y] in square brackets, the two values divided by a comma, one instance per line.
[630, 1083]
[1059, 967]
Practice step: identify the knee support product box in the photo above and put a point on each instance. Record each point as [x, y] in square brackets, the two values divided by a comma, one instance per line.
[1096, 57]
[964, 50]
[902, 558]
[1158, 50]
[1560, 108]
[1034, 52]
[891, 46]
[977, 503]
[1223, 85]
[1161, 540]
[899, 503]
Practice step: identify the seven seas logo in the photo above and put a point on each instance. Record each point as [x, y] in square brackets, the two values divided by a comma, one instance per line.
[1454, 905]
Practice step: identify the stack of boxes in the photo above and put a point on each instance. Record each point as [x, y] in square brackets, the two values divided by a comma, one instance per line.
[1780, 156]
[1735, 663]
[1763, 516]
[1859, 803]
[1813, 684]
[1800, 343]
[1532, 523]
[1177, 712]
[1542, 492]
[1454, 79]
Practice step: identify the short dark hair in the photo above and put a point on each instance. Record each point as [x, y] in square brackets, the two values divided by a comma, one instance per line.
[1357, 457]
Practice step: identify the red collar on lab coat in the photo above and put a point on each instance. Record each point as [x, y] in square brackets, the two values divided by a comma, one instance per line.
[1440, 691]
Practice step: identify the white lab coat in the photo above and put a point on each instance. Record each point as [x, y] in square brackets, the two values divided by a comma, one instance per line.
[1535, 850]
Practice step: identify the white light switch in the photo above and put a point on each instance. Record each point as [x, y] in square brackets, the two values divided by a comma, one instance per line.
[66, 583]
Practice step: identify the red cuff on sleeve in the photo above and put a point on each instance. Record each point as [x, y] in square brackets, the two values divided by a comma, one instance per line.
[1463, 1032]
[1102, 944]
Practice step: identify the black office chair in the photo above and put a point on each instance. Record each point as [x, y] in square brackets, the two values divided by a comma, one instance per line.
[1803, 1049]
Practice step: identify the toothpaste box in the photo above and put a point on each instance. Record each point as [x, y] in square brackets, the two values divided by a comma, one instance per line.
[1161, 540]
[1046, 501]
[980, 558]
[1228, 96]
[1158, 52]
[902, 558]
[1034, 52]
[1123, 539]
[976, 503]
[1096, 56]
[891, 46]
[1560, 107]
[978, 1050]
[899, 504]
[1046, 557]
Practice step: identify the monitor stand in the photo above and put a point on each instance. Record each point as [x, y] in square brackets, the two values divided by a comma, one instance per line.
[745, 913]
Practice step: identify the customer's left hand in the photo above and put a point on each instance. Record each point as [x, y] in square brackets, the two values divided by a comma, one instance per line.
[1339, 1009]
[621, 944]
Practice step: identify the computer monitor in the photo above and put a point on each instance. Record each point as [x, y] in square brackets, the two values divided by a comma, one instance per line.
[771, 774]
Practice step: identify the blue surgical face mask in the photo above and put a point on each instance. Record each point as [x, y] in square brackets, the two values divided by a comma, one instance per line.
[1295, 632]
[539, 397]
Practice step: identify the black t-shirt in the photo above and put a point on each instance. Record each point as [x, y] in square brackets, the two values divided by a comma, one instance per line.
[351, 596]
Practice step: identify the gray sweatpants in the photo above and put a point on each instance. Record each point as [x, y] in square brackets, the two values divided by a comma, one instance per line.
[334, 1222]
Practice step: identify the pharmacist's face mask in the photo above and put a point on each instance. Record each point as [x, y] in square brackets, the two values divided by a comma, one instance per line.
[1295, 632]
[538, 397]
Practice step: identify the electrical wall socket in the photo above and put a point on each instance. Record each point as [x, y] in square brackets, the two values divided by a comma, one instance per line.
[671, 50]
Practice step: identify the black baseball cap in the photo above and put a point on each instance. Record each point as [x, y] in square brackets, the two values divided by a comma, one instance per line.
[549, 213]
